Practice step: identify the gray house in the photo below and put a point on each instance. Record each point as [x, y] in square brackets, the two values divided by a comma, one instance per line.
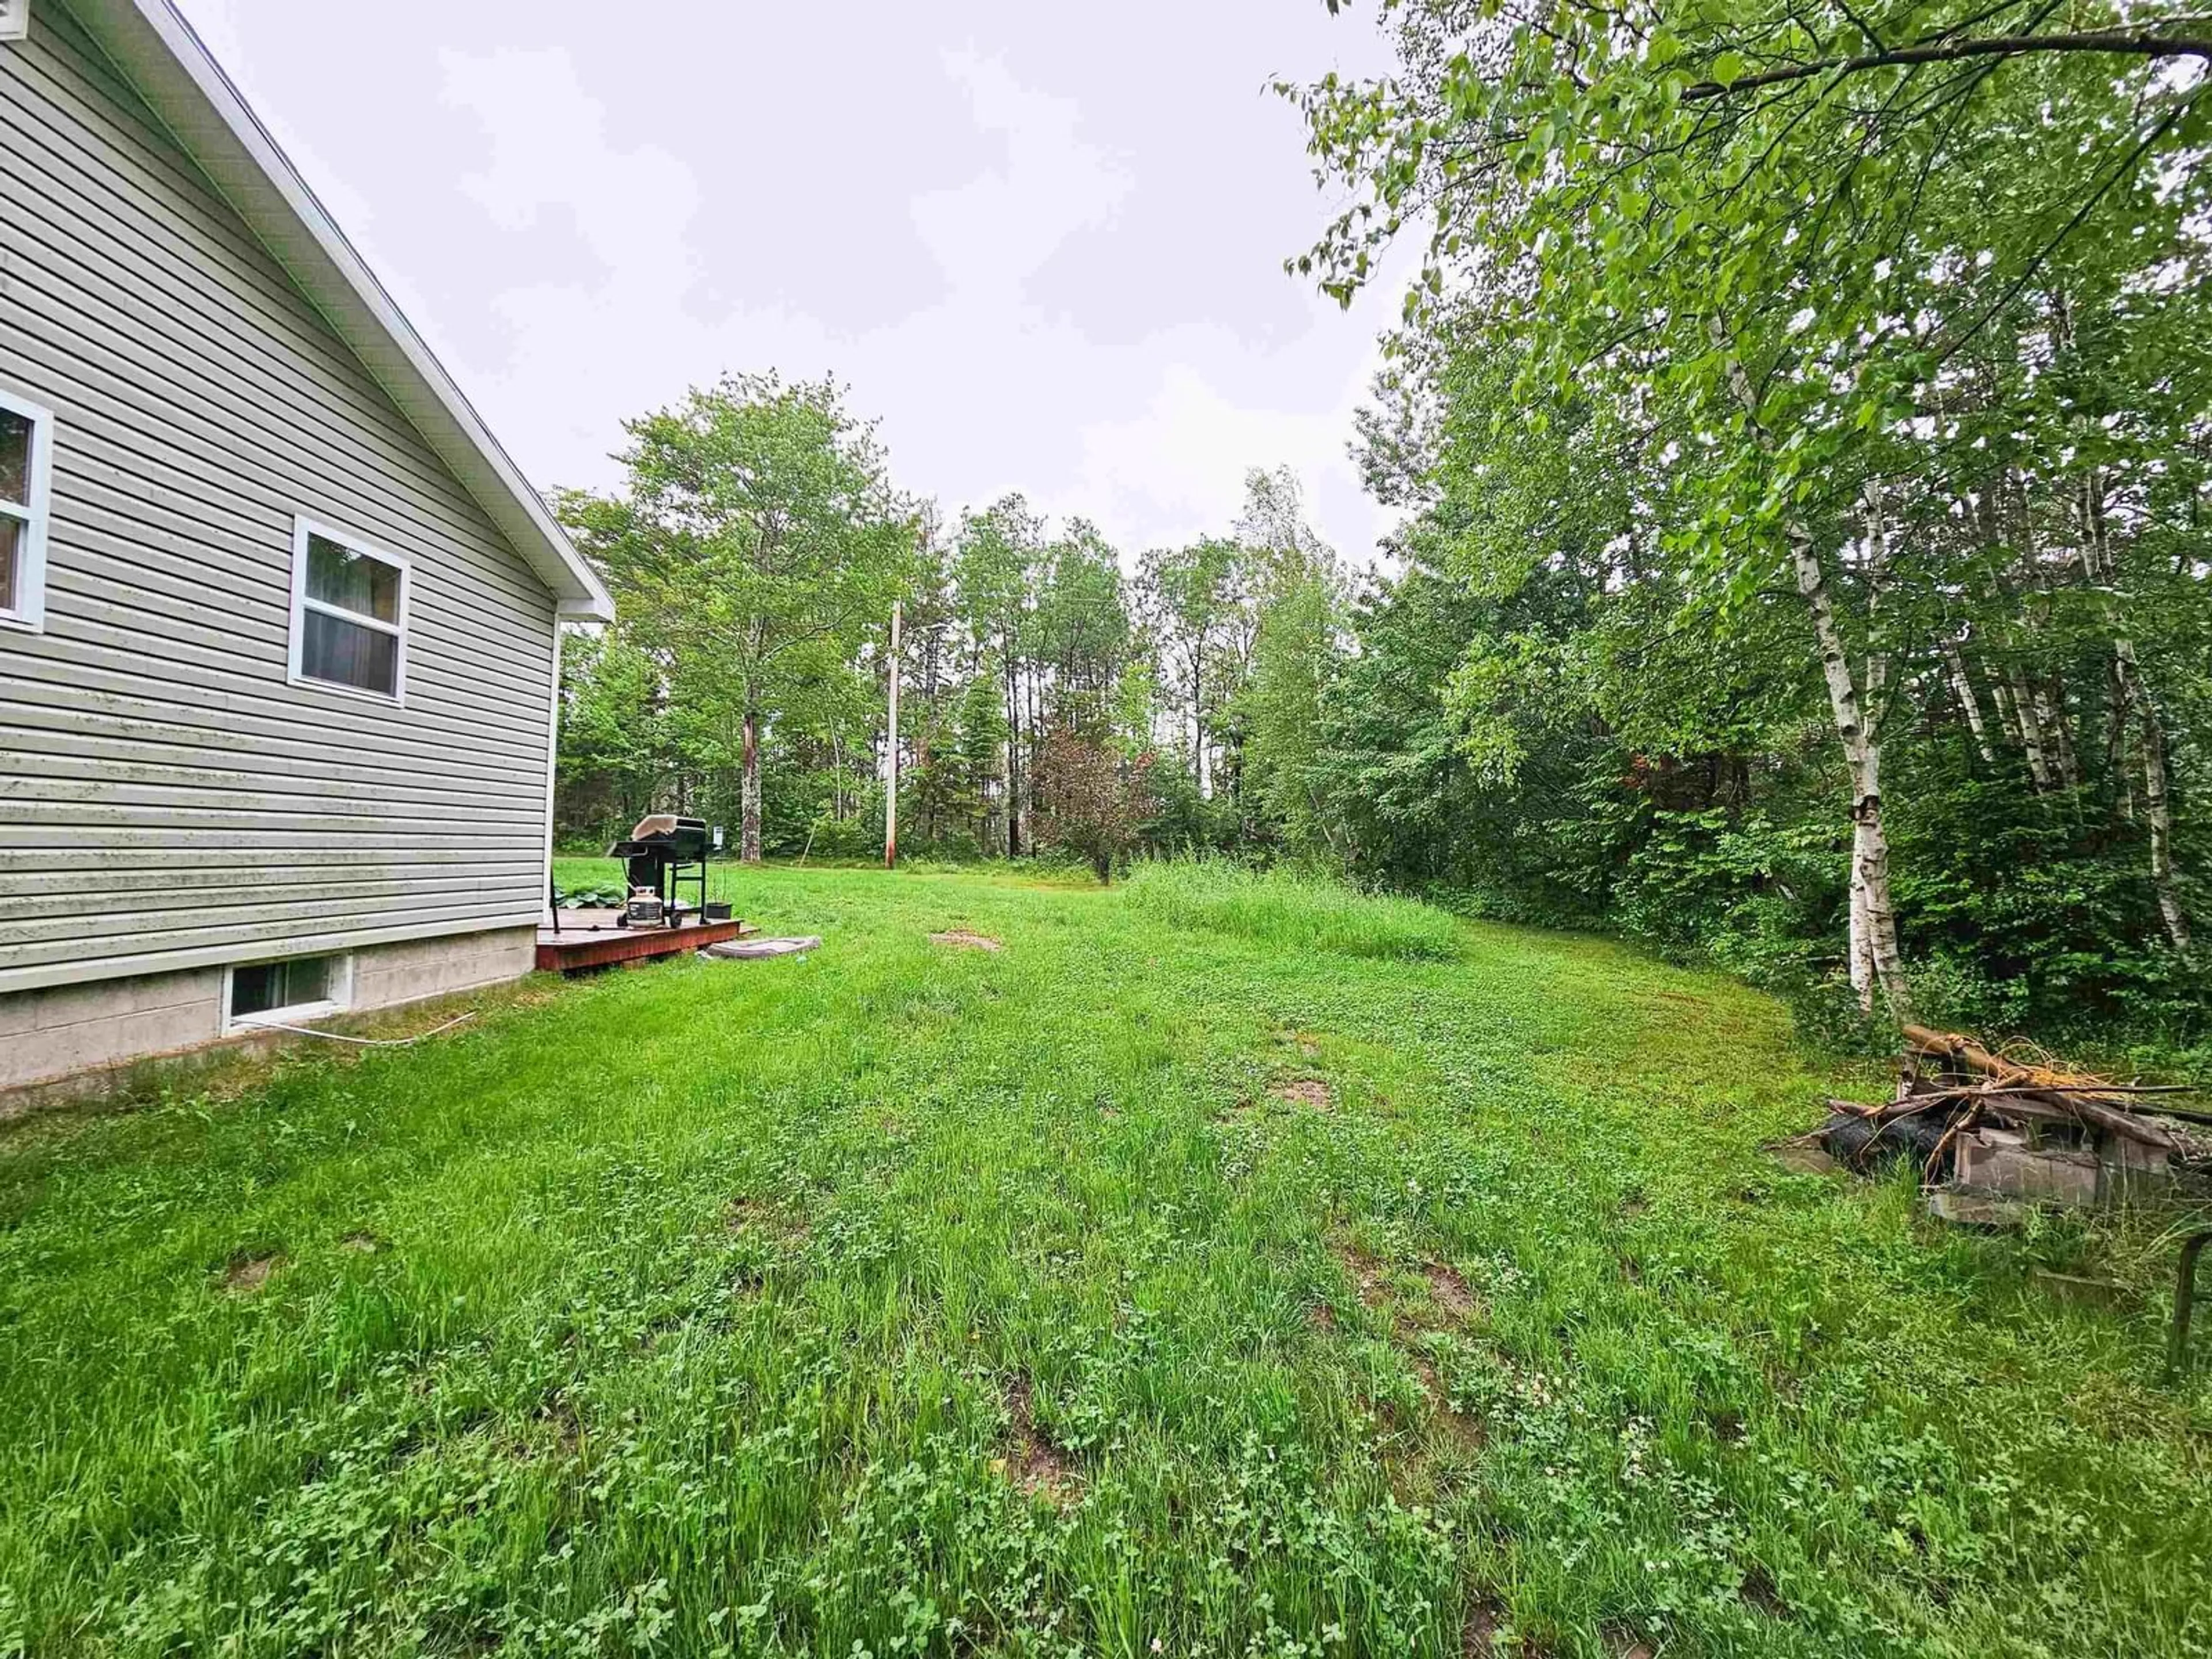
[279, 620]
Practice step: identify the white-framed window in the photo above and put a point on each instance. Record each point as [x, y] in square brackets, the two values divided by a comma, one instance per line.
[294, 991]
[26, 485]
[349, 614]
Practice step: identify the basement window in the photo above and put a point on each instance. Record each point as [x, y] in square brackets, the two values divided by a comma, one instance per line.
[27, 461]
[349, 614]
[288, 993]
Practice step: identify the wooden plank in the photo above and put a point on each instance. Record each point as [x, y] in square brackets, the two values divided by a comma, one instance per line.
[574, 952]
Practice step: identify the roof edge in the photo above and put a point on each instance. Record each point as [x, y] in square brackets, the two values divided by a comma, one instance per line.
[155, 50]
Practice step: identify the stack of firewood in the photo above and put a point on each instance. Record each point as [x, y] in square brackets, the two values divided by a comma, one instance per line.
[2018, 1125]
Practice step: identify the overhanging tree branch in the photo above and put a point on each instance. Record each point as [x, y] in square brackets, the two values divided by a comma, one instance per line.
[2130, 43]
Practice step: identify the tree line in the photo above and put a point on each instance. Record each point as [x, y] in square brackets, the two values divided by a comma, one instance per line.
[1058, 698]
[1803, 415]
[1801, 427]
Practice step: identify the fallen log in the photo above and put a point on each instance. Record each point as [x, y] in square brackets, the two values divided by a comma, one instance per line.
[1965, 1051]
[2089, 1100]
[2113, 1121]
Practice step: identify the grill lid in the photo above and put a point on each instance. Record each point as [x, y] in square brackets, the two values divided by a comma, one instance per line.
[665, 836]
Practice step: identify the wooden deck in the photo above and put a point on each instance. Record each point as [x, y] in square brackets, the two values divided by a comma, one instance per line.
[589, 939]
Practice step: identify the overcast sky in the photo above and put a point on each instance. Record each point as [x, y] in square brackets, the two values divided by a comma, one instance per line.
[1042, 243]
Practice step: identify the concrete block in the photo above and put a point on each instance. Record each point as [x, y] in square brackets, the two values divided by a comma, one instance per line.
[109, 998]
[1798, 1160]
[79, 1030]
[51, 1051]
[388, 975]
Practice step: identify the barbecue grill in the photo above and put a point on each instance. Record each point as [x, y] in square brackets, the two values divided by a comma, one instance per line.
[663, 854]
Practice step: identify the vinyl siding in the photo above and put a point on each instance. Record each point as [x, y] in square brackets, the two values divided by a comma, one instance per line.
[167, 801]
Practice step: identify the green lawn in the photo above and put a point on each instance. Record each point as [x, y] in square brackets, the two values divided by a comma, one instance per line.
[1217, 1268]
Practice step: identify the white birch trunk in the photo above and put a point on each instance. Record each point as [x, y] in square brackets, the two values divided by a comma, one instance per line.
[1861, 943]
[2059, 741]
[2158, 812]
[1863, 756]
[1862, 749]
[2158, 803]
[2001, 700]
[2031, 729]
[1962, 687]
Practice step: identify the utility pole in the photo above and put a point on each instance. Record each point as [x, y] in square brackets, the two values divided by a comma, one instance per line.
[890, 794]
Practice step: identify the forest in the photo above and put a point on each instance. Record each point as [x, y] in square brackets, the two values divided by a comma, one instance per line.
[1801, 432]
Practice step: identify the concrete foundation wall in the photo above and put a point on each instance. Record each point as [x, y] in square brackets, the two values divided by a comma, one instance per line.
[77, 1031]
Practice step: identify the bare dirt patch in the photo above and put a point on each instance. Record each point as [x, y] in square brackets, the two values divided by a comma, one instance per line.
[1370, 1275]
[1478, 1635]
[1037, 1467]
[1463, 1430]
[248, 1276]
[1450, 1291]
[1308, 1092]
[756, 1216]
[959, 939]
[557, 1413]
[1449, 1294]
[1758, 1591]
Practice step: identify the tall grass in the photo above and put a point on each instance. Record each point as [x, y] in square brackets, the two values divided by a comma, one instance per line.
[1292, 909]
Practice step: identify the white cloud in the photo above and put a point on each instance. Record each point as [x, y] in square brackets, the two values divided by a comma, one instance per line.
[1049, 263]
[1177, 467]
[549, 152]
[551, 168]
[992, 233]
